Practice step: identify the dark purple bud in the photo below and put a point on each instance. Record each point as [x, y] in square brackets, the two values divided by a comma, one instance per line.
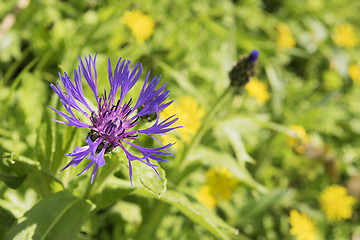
[244, 69]
[253, 56]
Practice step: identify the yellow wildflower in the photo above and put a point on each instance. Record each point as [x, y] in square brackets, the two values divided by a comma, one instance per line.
[205, 197]
[141, 25]
[190, 114]
[302, 226]
[299, 144]
[169, 138]
[219, 186]
[336, 203]
[258, 90]
[354, 73]
[345, 36]
[285, 39]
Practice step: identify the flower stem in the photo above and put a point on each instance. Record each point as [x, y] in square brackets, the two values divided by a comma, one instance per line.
[179, 162]
[88, 190]
[153, 219]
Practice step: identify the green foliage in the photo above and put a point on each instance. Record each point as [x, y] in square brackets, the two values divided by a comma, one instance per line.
[51, 218]
[194, 46]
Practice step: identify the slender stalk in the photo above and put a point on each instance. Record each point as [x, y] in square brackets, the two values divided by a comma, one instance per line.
[179, 162]
[16, 65]
[153, 219]
[88, 190]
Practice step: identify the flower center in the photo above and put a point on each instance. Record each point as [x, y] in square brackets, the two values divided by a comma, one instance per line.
[112, 123]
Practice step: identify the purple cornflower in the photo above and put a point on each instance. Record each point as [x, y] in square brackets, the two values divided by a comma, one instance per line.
[113, 123]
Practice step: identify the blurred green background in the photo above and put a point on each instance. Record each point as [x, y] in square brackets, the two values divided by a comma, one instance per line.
[277, 159]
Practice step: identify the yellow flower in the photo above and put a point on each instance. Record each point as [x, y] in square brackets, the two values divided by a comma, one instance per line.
[169, 138]
[141, 25]
[205, 197]
[354, 73]
[219, 186]
[284, 40]
[258, 90]
[335, 202]
[302, 226]
[190, 114]
[303, 139]
[345, 36]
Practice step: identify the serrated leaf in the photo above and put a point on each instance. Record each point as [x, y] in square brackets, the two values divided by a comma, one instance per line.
[58, 217]
[41, 181]
[196, 212]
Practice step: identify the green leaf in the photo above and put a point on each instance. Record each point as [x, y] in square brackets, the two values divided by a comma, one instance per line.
[146, 176]
[44, 141]
[238, 145]
[211, 157]
[278, 90]
[107, 171]
[6, 220]
[12, 181]
[196, 212]
[58, 217]
[36, 177]
[113, 190]
[256, 208]
[53, 139]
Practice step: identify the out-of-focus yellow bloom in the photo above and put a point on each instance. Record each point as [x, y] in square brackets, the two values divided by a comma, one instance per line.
[169, 138]
[336, 203]
[205, 197]
[258, 90]
[190, 114]
[299, 144]
[141, 25]
[354, 73]
[302, 226]
[285, 39]
[345, 36]
[219, 186]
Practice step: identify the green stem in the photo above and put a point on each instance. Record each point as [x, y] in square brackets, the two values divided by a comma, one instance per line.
[87, 192]
[179, 162]
[153, 219]
[16, 64]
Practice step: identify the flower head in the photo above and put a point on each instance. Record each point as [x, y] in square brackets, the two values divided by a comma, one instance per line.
[345, 36]
[244, 69]
[112, 123]
[302, 226]
[285, 39]
[219, 186]
[191, 115]
[258, 90]
[336, 203]
[354, 73]
[299, 144]
[141, 25]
